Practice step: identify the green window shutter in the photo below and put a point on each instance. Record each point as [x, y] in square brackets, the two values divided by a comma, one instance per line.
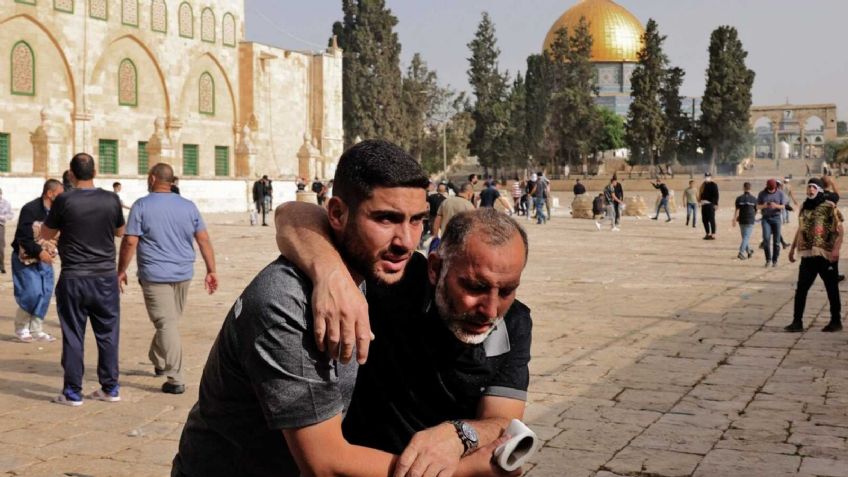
[222, 161]
[4, 152]
[190, 159]
[143, 164]
[108, 163]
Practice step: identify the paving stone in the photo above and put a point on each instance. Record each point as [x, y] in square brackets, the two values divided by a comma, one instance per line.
[594, 436]
[825, 467]
[643, 461]
[732, 462]
[679, 438]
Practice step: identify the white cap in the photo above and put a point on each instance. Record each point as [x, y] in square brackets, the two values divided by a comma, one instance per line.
[534, 177]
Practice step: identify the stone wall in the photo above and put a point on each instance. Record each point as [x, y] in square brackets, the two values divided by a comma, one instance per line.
[92, 70]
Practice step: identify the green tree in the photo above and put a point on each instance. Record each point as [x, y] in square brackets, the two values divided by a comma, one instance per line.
[675, 121]
[371, 76]
[490, 110]
[517, 145]
[537, 86]
[420, 96]
[612, 130]
[573, 122]
[646, 126]
[841, 128]
[727, 99]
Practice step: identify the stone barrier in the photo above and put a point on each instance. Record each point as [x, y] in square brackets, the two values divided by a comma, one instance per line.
[635, 206]
[581, 206]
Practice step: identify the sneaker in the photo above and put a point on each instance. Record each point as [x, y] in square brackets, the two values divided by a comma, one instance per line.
[73, 401]
[101, 395]
[706, 237]
[23, 336]
[768, 264]
[839, 278]
[741, 256]
[711, 237]
[774, 264]
[831, 327]
[653, 218]
[750, 253]
[44, 337]
[598, 225]
[158, 372]
[616, 229]
[794, 328]
[171, 388]
[668, 220]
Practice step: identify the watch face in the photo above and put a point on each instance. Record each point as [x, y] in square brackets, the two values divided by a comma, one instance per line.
[469, 432]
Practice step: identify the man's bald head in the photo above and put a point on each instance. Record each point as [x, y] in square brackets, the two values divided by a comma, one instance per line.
[163, 172]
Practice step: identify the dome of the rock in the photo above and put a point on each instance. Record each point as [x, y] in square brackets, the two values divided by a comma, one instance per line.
[616, 33]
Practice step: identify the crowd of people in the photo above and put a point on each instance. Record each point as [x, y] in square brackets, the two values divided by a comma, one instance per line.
[281, 392]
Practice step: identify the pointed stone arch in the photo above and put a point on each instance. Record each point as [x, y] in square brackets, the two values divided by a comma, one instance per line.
[67, 67]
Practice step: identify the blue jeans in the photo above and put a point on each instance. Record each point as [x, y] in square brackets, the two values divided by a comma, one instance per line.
[33, 286]
[771, 237]
[692, 209]
[663, 205]
[747, 230]
[540, 210]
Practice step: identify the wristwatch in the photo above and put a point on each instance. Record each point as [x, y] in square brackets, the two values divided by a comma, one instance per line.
[466, 434]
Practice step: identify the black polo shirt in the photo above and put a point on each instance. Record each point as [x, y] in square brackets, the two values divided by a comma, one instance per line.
[419, 375]
[746, 204]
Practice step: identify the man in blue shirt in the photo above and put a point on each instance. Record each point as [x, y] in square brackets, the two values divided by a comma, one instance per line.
[771, 203]
[162, 226]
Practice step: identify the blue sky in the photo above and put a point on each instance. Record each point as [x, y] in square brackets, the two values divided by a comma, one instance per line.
[798, 48]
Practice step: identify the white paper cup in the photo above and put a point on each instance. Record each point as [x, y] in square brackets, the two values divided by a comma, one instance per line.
[522, 443]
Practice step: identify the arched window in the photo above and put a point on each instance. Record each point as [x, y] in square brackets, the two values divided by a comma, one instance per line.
[186, 21]
[127, 83]
[207, 25]
[66, 6]
[23, 69]
[159, 16]
[98, 9]
[129, 12]
[206, 94]
[228, 29]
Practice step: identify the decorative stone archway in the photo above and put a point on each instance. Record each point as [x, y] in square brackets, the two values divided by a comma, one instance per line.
[797, 112]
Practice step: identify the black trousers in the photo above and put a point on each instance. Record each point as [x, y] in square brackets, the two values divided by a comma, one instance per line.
[615, 206]
[77, 300]
[708, 217]
[807, 272]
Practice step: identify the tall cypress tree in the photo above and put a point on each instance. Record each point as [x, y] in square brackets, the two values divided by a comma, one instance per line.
[516, 140]
[419, 98]
[537, 86]
[371, 79]
[573, 123]
[490, 111]
[645, 119]
[727, 98]
[675, 120]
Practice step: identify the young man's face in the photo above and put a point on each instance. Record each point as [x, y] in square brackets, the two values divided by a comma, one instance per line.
[381, 235]
[476, 289]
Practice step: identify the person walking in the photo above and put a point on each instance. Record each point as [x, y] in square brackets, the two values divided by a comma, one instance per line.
[618, 205]
[786, 186]
[663, 204]
[691, 197]
[745, 215]
[831, 193]
[161, 228]
[708, 195]
[770, 203]
[5, 216]
[260, 191]
[609, 199]
[817, 241]
[541, 190]
[32, 266]
[89, 219]
[516, 196]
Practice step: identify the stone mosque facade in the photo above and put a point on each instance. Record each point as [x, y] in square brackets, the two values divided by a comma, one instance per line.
[134, 82]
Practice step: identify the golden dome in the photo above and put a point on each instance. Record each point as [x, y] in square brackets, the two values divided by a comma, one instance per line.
[616, 33]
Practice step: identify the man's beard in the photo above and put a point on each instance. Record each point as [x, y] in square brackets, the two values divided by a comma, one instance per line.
[455, 320]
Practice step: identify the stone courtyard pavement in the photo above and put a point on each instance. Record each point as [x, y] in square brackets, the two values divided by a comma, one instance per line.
[655, 353]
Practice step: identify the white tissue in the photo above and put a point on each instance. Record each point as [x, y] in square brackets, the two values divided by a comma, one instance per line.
[522, 443]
